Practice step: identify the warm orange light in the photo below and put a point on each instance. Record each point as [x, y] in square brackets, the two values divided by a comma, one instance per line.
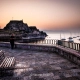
[43, 14]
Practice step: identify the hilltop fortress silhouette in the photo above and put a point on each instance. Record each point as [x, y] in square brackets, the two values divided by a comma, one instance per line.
[20, 29]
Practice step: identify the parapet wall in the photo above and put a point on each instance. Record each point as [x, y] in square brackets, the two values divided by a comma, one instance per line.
[67, 53]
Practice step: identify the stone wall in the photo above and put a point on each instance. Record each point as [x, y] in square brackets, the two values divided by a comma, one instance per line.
[69, 54]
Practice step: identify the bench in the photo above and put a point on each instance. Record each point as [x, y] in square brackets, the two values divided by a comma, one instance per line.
[6, 63]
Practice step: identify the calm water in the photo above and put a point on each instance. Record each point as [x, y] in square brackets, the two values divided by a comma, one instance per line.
[53, 35]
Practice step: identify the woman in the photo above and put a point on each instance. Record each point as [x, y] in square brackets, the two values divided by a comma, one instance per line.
[12, 41]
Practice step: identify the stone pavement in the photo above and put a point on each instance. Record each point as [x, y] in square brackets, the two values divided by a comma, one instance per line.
[41, 66]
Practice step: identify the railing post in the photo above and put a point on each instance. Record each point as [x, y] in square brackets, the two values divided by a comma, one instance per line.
[49, 41]
[72, 45]
[55, 42]
[64, 43]
[44, 41]
[68, 44]
[77, 47]
[52, 42]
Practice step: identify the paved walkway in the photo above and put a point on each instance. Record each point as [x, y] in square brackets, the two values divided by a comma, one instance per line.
[41, 66]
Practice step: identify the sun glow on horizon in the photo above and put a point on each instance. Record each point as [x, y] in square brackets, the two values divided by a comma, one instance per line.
[43, 14]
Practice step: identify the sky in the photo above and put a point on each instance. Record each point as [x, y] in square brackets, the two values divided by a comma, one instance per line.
[44, 14]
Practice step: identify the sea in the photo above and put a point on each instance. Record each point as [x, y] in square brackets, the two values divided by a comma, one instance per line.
[64, 35]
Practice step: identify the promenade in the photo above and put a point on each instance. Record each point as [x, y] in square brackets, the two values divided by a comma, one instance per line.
[41, 66]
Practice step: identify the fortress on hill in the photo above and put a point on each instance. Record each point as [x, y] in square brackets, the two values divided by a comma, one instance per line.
[21, 29]
[20, 26]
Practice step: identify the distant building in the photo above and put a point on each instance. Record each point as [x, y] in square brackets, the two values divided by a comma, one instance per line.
[16, 25]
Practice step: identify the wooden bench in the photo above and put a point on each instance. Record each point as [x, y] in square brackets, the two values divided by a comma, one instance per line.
[6, 63]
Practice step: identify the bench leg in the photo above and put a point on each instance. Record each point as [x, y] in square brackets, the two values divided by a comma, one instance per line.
[6, 73]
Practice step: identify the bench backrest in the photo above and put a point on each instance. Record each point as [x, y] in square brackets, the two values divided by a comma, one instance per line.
[1, 56]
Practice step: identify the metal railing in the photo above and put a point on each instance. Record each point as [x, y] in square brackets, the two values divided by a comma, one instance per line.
[71, 45]
[47, 42]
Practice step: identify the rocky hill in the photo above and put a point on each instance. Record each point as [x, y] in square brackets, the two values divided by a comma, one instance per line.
[17, 25]
[23, 28]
